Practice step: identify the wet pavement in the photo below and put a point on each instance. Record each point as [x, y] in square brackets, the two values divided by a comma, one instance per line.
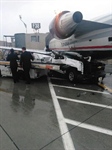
[53, 114]
[28, 119]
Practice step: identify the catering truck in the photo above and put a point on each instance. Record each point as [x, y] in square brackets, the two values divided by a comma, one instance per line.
[71, 65]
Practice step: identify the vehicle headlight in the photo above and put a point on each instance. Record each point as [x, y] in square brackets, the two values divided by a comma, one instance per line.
[99, 67]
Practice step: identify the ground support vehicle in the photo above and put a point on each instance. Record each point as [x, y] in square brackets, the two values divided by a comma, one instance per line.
[72, 65]
[37, 70]
[78, 68]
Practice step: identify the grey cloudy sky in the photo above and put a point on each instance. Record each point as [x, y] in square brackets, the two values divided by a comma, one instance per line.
[43, 11]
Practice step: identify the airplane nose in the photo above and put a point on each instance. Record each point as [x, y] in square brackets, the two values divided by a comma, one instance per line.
[77, 17]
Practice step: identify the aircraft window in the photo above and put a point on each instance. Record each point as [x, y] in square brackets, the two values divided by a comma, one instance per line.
[110, 39]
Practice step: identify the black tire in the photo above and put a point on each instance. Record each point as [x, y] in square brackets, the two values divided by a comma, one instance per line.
[72, 75]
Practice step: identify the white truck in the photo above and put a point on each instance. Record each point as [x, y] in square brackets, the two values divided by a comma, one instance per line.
[77, 68]
[72, 65]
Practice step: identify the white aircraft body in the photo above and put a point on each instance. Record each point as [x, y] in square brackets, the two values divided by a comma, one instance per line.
[72, 33]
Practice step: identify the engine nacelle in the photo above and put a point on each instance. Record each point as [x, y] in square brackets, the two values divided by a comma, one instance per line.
[64, 24]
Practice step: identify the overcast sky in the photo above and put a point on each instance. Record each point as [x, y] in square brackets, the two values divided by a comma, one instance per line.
[43, 11]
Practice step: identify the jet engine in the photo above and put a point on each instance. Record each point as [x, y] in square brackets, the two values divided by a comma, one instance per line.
[65, 23]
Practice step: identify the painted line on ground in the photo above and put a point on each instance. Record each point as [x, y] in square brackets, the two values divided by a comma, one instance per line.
[80, 89]
[85, 102]
[66, 137]
[89, 127]
[5, 90]
[105, 87]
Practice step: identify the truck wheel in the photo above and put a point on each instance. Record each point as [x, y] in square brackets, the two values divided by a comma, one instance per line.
[72, 75]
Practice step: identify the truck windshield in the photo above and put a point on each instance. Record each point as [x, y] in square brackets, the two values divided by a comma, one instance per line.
[73, 55]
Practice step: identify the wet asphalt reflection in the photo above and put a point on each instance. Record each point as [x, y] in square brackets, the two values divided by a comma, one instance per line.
[54, 114]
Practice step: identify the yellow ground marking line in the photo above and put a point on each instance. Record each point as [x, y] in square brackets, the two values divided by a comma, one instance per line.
[105, 87]
[4, 90]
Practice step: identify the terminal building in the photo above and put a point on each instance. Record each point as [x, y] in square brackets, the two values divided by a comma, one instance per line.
[35, 40]
[28, 40]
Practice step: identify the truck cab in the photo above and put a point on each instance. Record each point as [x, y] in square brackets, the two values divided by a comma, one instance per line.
[79, 68]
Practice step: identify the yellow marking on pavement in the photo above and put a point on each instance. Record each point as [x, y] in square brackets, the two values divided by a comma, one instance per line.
[4, 90]
[105, 87]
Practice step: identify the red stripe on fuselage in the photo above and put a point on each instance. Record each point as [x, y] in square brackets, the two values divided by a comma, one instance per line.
[85, 47]
[94, 47]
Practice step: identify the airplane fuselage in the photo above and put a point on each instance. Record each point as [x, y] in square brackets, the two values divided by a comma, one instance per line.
[88, 38]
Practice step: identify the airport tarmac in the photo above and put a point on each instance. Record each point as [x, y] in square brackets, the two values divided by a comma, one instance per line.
[54, 114]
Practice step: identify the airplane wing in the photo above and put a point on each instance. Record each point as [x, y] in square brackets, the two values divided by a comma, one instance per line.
[68, 23]
[86, 26]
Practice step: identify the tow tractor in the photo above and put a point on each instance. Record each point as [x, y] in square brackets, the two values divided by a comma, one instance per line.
[72, 65]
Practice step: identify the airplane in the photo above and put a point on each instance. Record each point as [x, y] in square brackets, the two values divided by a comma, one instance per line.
[72, 33]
